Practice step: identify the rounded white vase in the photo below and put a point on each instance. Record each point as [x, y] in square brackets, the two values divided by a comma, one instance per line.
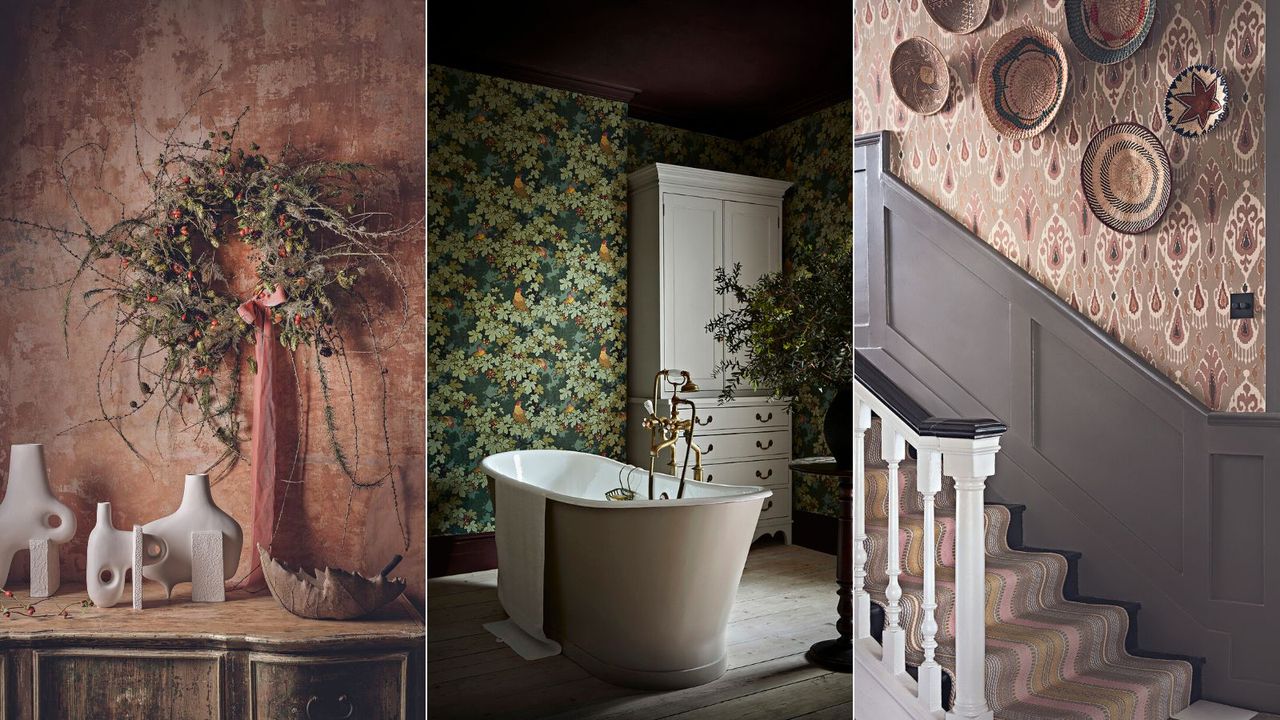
[28, 508]
[169, 558]
[108, 557]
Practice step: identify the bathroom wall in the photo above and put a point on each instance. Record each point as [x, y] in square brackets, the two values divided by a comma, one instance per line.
[1164, 293]
[815, 153]
[527, 253]
[342, 79]
[527, 256]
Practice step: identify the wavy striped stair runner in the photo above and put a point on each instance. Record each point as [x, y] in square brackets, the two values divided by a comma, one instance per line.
[1047, 657]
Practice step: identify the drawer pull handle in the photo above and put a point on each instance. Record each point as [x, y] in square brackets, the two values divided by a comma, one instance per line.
[710, 447]
[767, 506]
[764, 419]
[706, 422]
[765, 447]
[711, 478]
[342, 701]
[765, 477]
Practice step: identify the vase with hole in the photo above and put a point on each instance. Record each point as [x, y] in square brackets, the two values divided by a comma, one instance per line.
[169, 561]
[30, 513]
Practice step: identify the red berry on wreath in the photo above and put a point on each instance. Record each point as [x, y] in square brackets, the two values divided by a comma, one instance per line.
[152, 298]
[175, 213]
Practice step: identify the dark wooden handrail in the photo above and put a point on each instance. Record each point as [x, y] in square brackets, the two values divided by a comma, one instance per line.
[921, 421]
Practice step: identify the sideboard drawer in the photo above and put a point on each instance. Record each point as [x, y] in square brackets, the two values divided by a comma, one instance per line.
[732, 416]
[328, 688]
[127, 684]
[769, 472]
[739, 446]
[778, 506]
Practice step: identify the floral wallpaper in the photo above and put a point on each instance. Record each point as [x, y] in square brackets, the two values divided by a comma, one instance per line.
[1164, 293]
[527, 281]
[527, 268]
[815, 153]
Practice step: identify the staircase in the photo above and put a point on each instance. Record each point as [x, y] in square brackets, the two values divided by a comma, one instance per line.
[1050, 653]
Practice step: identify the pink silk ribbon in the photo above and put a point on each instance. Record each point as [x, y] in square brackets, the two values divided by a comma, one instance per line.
[257, 312]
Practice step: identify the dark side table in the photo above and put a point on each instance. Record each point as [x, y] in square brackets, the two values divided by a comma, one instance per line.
[836, 654]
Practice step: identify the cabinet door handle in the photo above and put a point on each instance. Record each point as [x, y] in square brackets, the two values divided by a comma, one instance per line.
[764, 419]
[334, 713]
[710, 447]
[767, 506]
[765, 477]
[704, 423]
[765, 447]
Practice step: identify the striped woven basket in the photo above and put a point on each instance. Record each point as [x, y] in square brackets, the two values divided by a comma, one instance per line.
[1023, 81]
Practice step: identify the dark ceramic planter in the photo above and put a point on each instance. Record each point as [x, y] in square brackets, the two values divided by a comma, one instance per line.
[837, 427]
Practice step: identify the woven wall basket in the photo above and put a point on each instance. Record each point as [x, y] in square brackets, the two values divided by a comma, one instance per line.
[919, 75]
[1108, 31]
[958, 16]
[1126, 177]
[1023, 81]
[1197, 101]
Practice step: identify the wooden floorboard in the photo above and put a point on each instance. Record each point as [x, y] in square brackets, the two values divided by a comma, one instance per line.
[785, 603]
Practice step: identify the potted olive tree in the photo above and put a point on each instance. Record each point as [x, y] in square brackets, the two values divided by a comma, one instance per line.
[792, 332]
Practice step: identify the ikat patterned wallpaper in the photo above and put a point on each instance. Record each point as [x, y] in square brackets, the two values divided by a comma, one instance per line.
[527, 268]
[1164, 293]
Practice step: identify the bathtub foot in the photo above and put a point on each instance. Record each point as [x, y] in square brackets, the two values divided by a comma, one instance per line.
[646, 679]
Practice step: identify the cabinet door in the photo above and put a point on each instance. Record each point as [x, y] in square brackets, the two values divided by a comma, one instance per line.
[753, 238]
[692, 248]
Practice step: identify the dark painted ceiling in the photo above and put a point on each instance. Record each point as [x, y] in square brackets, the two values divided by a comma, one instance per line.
[733, 69]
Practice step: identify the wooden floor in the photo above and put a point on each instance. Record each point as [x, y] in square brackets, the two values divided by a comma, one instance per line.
[786, 602]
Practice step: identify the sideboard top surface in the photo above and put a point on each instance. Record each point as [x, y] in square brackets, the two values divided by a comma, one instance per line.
[253, 621]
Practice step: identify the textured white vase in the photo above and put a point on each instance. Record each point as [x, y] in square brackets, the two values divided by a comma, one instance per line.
[172, 564]
[28, 506]
[109, 556]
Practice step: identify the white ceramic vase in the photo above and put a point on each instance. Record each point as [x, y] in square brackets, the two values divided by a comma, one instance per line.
[169, 560]
[28, 506]
[109, 557]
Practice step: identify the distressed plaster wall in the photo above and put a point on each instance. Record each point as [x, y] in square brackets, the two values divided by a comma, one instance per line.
[345, 79]
[1163, 293]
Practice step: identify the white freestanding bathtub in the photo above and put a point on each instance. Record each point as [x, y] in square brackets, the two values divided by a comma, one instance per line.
[637, 592]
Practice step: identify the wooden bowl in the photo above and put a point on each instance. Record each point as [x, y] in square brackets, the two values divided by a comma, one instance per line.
[919, 75]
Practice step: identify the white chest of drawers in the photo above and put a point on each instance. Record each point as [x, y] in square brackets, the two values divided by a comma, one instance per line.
[744, 442]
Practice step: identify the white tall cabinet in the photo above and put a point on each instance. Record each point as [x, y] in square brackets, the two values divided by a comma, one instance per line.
[685, 223]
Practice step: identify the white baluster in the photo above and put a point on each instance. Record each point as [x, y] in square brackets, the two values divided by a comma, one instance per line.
[893, 450]
[970, 463]
[861, 599]
[929, 482]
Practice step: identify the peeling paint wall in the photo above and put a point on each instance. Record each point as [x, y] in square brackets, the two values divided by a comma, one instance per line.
[346, 79]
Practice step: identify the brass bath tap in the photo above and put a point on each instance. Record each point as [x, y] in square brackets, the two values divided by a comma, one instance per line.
[665, 432]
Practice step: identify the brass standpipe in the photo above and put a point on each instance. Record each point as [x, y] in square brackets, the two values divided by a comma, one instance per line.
[665, 432]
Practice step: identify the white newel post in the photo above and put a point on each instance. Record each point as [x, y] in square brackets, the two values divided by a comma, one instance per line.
[970, 463]
[893, 450]
[929, 482]
[861, 599]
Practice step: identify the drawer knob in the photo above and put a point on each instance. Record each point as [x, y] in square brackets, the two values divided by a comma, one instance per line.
[334, 712]
[765, 477]
[765, 447]
[711, 478]
[710, 447]
[764, 419]
[706, 422]
[767, 506]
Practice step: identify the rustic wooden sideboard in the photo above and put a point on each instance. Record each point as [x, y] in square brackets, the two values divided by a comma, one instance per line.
[243, 658]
